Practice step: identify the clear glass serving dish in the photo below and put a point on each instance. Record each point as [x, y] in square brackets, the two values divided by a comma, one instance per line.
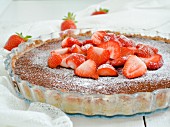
[89, 104]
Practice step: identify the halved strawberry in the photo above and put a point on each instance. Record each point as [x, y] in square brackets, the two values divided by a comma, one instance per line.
[85, 47]
[145, 50]
[110, 36]
[69, 41]
[88, 41]
[119, 61]
[99, 55]
[134, 67]
[98, 37]
[54, 60]
[126, 51]
[62, 50]
[63, 62]
[87, 69]
[76, 49]
[113, 47]
[75, 59]
[107, 70]
[154, 62]
[126, 42]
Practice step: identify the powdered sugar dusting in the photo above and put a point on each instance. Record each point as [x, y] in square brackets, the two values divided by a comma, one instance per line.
[33, 67]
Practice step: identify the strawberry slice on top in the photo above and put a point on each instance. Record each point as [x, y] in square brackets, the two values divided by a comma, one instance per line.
[154, 62]
[145, 50]
[126, 42]
[107, 70]
[98, 37]
[134, 67]
[87, 69]
[75, 59]
[113, 47]
[99, 55]
[70, 41]
[54, 59]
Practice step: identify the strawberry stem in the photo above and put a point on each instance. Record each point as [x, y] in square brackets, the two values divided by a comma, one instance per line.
[70, 16]
[21, 36]
[104, 10]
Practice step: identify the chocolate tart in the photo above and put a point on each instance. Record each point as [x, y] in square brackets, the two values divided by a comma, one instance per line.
[108, 96]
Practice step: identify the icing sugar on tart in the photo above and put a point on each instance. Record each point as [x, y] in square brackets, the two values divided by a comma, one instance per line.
[32, 66]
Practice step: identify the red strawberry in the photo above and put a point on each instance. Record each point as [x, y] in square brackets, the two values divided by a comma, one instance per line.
[113, 47]
[100, 11]
[126, 42]
[87, 42]
[63, 62]
[87, 69]
[54, 60]
[119, 61]
[98, 37]
[154, 62]
[134, 67]
[106, 70]
[69, 22]
[75, 59]
[145, 50]
[62, 50]
[110, 36]
[76, 49]
[85, 47]
[99, 55]
[15, 40]
[70, 41]
[126, 51]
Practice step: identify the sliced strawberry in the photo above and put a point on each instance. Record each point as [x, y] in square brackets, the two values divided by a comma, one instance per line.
[154, 62]
[145, 50]
[110, 36]
[88, 41]
[134, 67]
[126, 42]
[113, 47]
[63, 62]
[70, 41]
[85, 47]
[98, 37]
[126, 51]
[54, 60]
[107, 70]
[119, 61]
[99, 55]
[76, 49]
[87, 69]
[75, 59]
[62, 50]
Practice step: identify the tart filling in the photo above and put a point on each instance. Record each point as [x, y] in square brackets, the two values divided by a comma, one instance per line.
[33, 67]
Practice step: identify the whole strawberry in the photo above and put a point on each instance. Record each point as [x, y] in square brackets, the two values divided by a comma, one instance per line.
[15, 40]
[69, 22]
[100, 11]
